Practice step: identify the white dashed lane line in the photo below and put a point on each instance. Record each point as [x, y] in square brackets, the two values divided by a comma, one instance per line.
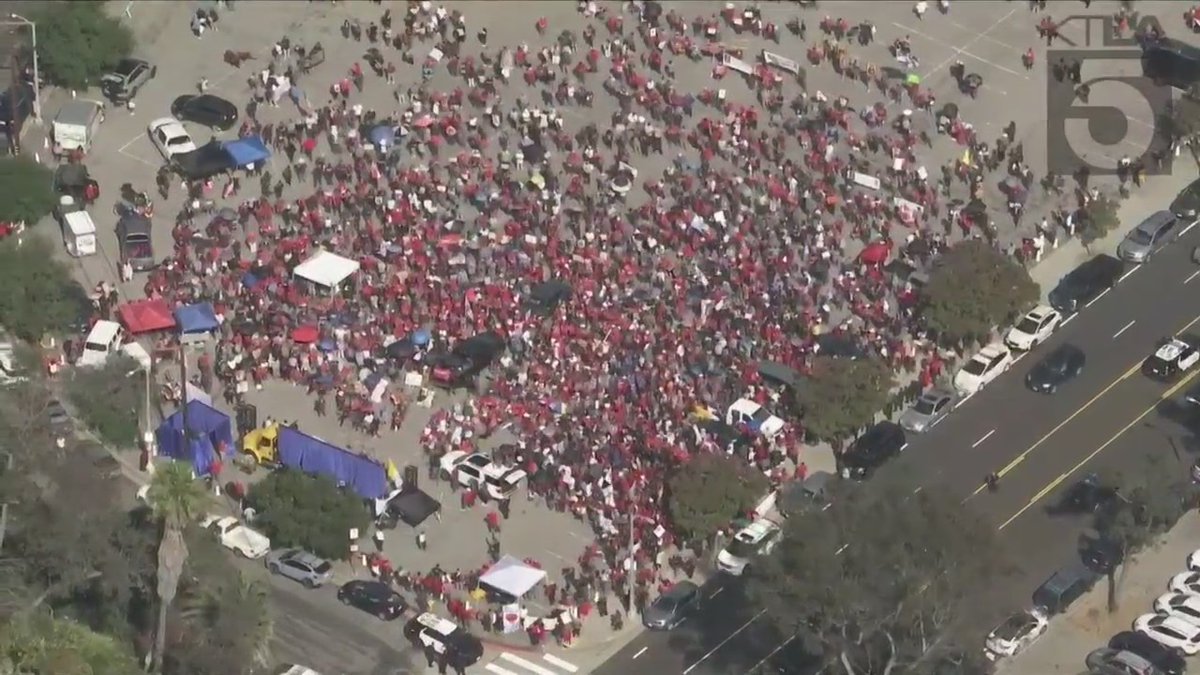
[1127, 326]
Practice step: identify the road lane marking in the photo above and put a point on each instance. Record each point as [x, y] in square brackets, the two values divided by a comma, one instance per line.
[985, 437]
[1068, 320]
[1097, 298]
[731, 636]
[918, 490]
[565, 665]
[528, 665]
[1063, 476]
[1129, 273]
[1127, 326]
[1185, 230]
[640, 652]
[716, 592]
[1021, 458]
[1194, 275]
[491, 667]
[768, 656]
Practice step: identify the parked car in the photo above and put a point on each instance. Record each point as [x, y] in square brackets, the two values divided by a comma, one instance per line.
[757, 538]
[984, 367]
[1184, 605]
[1033, 329]
[1168, 660]
[875, 447]
[1063, 588]
[477, 471]
[459, 367]
[205, 110]
[126, 80]
[300, 565]
[168, 135]
[1170, 630]
[237, 537]
[671, 608]
[1114, 662]
[1185, 582]
[1015, 634]
[930, 408]
[372, 597]
[1152, 234]
[1057, 368]
[1086, 283]
[1186, 205]
[747, 414]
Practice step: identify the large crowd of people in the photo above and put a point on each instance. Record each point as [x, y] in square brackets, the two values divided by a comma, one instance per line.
[750, 245]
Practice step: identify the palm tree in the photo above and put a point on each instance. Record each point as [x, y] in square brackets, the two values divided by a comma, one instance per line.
[233, 607]
[177, 499]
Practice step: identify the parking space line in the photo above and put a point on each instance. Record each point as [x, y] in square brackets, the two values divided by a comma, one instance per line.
[640, 652]
[1193, 276]
[716, 592]
[1069, 319]
[988, 38]
[1185, 230]
[1128, 274]
[722, 642]
[986, 436]
[1118, 333]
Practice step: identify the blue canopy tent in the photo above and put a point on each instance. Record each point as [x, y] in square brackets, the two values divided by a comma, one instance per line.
[196, 319]
[298, 450]
[247, 151]
[208, 428]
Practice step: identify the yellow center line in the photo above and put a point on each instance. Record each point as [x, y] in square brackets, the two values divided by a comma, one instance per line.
[1058, 481]
[1021, 458]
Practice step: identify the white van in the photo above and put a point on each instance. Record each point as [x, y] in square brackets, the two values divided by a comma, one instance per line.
[79, 233]
[107, 338]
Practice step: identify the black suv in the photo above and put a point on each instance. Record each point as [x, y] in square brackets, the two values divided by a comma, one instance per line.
[1166, 659]
[871, 450]
[1187, 203]
[126, 80]
[1064, 587]
[372, 597]
[23, 107]
[205, 109]
[1085, 283]
[459, 367]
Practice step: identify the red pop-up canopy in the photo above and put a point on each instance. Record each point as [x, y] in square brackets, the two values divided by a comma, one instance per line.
[146, 316]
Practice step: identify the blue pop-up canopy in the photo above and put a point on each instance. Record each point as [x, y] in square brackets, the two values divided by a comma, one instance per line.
[208, 429]
[198, 318]
[247, 151]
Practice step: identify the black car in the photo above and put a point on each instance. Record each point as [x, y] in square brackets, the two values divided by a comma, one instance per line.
[1169, 661]
[546, 297]
[1173, 63]
[126, 80]
[1055, 369]
[372, 597]
[429, 630]
[205, 109]
[1063, 588]
[1086, 282]
[1101, 555]
[1087, 495]
[1186, 205]
[871, 450]
[22, 106]
[459, 367]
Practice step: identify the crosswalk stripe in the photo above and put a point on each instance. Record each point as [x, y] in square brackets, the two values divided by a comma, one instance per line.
[529, 665]
[565, 665]
[498, 670]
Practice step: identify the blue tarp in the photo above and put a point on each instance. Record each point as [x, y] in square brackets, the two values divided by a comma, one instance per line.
[246, 151]
[298, 450]
[199, 318]
[208, 428]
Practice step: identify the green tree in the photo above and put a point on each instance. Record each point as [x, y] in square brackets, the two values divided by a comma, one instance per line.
[843, 395]
[37, 294]
[709, 490]
[41, 645]
[79, 42]
[232, 616]
[177, 499]
[108, 399]
[1100, 218]
[311, 512]
[881, 580]
[1150, 500]
[973, 289]
[26, 194]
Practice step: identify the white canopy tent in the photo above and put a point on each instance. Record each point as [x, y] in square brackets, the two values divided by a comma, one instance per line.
[512, 576]
[327, 269]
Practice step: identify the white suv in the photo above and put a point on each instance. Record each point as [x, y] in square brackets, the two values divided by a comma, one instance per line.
[477, 471]
[757, 538]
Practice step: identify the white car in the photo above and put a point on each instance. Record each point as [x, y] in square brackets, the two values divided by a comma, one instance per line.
[1194, 561]
[478, 472]
[754, 417]
[237, 537]
[1183, 605]
[169, 136]
[983, 368]
[1034, 328]
[1016, 633]
[757, 538]
[1185, 582]
[1170, 630]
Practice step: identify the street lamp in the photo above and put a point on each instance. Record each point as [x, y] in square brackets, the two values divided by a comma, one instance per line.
[37, 85]
[1169, 437]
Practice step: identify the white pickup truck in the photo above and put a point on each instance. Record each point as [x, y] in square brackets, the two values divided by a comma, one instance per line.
[237, 537]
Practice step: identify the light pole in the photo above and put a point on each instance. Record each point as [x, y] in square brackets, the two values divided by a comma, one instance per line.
[1169, 437]
[37, 85]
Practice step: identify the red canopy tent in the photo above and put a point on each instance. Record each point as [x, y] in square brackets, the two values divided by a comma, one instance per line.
[146, 316]
[876, 253]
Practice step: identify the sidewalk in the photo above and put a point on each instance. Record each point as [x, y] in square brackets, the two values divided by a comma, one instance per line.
[1087, 625]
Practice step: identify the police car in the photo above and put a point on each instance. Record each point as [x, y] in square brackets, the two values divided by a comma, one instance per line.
[1172, 358]
[757, 538]
[430, 631]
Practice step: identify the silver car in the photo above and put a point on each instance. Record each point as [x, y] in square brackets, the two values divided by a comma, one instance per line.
[1155, 232]
[929, 409]
[300, 565]
[671, 608]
